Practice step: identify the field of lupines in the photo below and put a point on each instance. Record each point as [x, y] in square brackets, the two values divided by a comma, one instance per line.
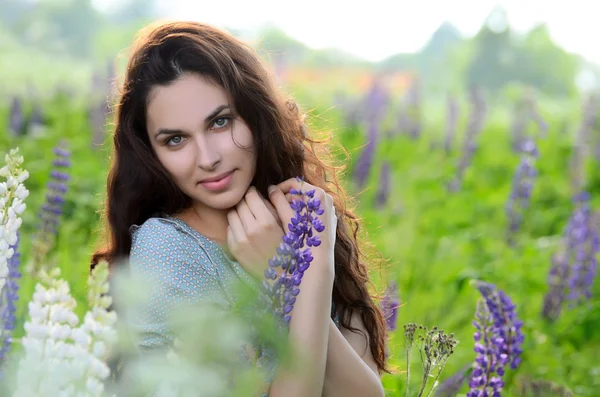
[484, 211]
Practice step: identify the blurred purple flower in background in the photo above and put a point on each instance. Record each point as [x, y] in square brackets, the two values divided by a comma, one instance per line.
[16, 117]
[474, 126]
[583, 138]
[52, 208]
[522, 187]
[410, 114]
[376, 101]
[384, 187]
[574, 269]
[389, 306]
[363, 166]
[451, 122]
[451, 386]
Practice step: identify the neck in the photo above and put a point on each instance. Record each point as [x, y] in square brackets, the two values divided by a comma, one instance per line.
[210, 222]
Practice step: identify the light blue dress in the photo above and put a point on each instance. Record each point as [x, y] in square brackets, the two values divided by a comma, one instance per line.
[191, 268]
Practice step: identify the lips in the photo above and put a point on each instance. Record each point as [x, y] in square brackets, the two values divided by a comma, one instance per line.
[216, 178]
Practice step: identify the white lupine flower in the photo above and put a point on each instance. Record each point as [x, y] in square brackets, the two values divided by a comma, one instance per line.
[12, 205]
[62, 358]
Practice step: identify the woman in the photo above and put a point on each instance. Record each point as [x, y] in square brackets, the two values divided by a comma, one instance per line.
[206, 150]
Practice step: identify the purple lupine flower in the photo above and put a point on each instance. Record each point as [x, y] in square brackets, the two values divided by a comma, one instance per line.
[530, 387]
[16, 121]
[553, 301]
[8, 300]
[574, 270]
[590, 109]
[538, 119]
[351, 107]
[522, 187]
[37, 118]
[375, 101]
[389, 306]
[584, 246]
[474, 126]
[451, 122]
[383, 190]
[365, 161]
[451, 386]
[525, 111]
[292, 255]
[410, 116]
[507, 326]
[489, 364]
[519, 126]
[98, 114]
[52, 209]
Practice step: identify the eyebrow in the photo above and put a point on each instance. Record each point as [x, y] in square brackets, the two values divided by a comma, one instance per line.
[208, 119]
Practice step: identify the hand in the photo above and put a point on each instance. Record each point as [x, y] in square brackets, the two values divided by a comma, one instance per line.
[254, 232]
[281, 198]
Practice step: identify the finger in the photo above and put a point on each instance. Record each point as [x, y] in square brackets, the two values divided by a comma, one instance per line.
[272, 210]
[293, 183]
[247, 217]
[257, 205]
[231, 240]
[281, 204]
[236, 227]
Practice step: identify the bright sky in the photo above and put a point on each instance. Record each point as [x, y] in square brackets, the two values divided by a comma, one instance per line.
[375, 29]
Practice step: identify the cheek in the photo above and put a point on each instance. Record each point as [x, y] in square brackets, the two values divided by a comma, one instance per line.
[177, 164]
[242, 136]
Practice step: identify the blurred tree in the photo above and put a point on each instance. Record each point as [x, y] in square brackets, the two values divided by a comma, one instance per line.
[59, 26]
[501, 58]
[494, 57]
[539, 62]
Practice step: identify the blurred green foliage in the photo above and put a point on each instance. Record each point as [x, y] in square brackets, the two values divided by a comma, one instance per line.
[435, 242]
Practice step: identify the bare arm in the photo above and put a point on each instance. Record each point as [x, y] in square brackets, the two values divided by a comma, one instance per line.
[351, 370]
[309, 336]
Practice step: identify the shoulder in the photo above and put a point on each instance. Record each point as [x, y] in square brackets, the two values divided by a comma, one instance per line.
[161, 243]
[153, 230]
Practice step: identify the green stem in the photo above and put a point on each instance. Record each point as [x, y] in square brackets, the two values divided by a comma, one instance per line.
[426, 371]
[408, 370]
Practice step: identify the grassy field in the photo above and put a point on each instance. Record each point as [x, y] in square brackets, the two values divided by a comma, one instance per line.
[435, 241]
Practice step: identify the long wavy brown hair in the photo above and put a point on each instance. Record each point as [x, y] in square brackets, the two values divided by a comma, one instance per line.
[138, 186]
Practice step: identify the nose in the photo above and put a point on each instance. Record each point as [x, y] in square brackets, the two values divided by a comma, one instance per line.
[207, 156]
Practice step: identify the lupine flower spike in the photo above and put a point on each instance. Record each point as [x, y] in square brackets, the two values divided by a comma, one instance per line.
[520, 195]
[498, 341]
[62, 358]
[574, 269]
[51, 210]
[364, 163]
[383, 191]
[451, 386]
[474, 126]
[294, 254]
[12, 196]
[451, 123]
[389, 306]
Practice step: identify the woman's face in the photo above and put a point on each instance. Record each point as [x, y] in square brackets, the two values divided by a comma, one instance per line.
[205, 147]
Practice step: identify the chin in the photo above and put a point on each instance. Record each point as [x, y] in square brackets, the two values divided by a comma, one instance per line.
[223, 201]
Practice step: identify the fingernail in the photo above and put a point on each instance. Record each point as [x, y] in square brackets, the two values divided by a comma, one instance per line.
[272, 188]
